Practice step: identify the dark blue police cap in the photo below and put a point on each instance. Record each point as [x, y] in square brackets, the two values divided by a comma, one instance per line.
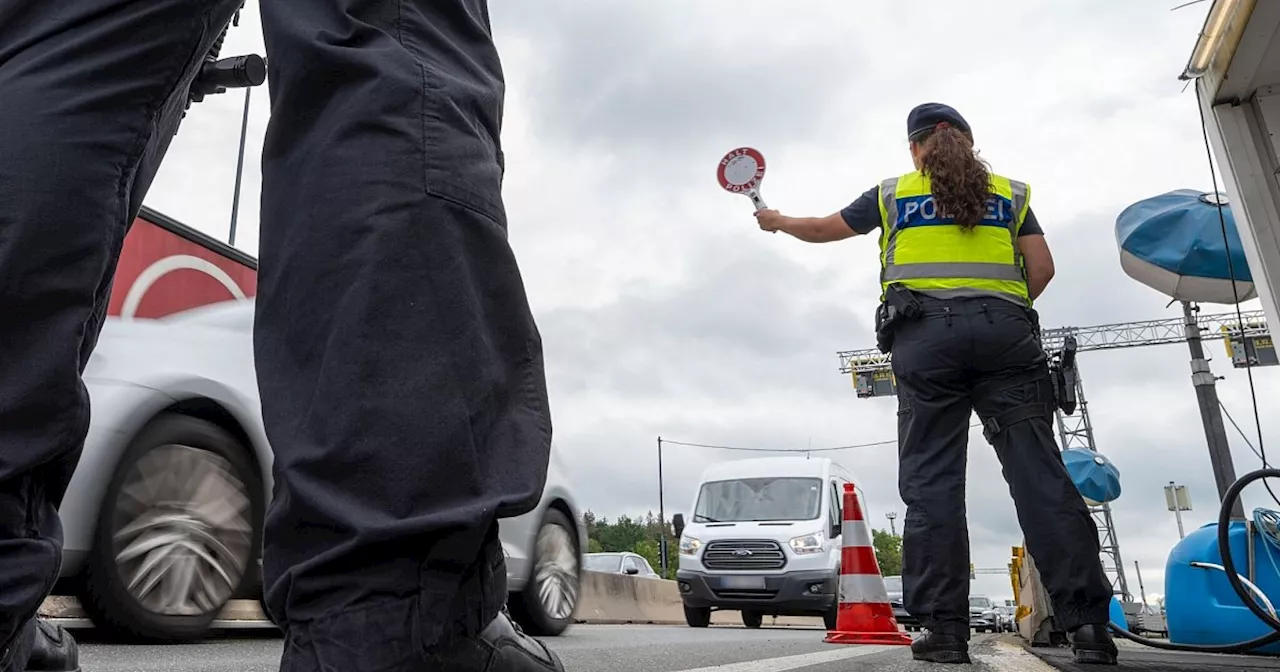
[925, 117]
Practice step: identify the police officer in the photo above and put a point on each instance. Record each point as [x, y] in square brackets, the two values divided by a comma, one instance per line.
[400, 368]
[962, 258]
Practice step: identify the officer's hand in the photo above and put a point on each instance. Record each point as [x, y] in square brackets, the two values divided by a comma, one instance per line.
[769, 219]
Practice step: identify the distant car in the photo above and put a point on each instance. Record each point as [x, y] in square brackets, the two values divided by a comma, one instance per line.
[632, 564]
[893, 585]
[983, 616]
[163, 518]
[1005, 620]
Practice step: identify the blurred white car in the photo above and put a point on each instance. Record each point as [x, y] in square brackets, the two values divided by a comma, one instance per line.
[625, 562]
[163, 518]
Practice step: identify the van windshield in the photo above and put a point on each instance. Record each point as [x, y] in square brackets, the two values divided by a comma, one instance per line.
[758, 499]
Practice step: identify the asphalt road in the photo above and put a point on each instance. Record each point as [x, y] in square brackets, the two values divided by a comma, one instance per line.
[593, 648]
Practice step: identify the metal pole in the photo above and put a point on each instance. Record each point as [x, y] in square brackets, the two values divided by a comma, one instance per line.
[1141, 589]
[235, 198]
[893, 526]
[1177, 513]
[662, 517]
[1215, 432]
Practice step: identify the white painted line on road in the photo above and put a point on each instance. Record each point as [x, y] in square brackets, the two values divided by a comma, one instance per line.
[1013, 658]
[797, 662]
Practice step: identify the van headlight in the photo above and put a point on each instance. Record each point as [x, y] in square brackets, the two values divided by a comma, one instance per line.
[689, 546]
[808, 543]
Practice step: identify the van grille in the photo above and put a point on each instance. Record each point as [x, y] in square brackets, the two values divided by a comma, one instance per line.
[741, 554]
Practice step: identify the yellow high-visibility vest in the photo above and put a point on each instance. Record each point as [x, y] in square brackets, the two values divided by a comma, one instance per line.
[930, 254]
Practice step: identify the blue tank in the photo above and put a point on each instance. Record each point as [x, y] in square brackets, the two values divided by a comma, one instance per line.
[1200, 606]
[1117, 613]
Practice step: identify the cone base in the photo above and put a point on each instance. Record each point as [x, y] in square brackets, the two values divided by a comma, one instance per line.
[867, 623]
[890, 638]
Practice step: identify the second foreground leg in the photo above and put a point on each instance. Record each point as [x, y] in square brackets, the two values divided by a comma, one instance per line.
[401, 371]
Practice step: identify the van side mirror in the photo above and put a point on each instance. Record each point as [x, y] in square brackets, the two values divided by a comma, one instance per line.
[837, 528]
[677, 522]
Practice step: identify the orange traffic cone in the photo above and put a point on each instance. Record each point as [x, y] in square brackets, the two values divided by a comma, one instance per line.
[865, 616]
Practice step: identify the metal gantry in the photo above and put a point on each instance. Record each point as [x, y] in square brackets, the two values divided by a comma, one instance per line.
[872, 376]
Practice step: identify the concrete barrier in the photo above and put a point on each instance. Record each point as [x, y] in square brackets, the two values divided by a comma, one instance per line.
[618, 599]
[237, 611]
[606, 599]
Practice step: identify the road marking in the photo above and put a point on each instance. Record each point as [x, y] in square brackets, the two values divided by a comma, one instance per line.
[797, 662]
[1008, 657]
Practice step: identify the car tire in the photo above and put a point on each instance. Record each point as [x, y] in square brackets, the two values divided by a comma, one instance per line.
[752, 619]
[697, 617]
[185, 504]
[545, 607]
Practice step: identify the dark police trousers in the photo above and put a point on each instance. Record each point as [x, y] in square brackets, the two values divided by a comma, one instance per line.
[965, 355]
[400, 369]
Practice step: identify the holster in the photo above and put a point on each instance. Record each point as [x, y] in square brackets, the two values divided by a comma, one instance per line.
[899, 305]
[1063, 374]
[886, 322]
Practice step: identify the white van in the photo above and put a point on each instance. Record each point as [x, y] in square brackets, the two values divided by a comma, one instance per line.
[764, 539]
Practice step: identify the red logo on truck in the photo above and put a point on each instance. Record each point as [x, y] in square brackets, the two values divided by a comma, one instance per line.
[166, 267]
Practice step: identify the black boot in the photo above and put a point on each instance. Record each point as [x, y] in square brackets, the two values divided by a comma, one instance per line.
[936, 647]
[1093, 645]
[500, 647]
[54, 650]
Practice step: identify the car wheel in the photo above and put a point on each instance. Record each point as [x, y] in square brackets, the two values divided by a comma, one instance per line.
[697, 617]
[545, 606]
[178, 530]
[752, 619]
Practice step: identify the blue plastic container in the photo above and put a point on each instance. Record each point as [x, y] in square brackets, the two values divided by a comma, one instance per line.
[1200, 606]
[1117, 614]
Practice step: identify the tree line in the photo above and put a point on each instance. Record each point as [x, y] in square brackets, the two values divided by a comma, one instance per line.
[641, 535]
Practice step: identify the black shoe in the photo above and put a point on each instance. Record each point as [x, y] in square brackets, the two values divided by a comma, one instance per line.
[500, 647]
[54, 650]
[1093, 645]
[936, 647]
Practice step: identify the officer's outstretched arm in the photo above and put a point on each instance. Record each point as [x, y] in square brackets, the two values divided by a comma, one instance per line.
[1038, 260]
[816, 229]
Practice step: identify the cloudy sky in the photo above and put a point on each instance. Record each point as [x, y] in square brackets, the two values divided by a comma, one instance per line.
[666, 312]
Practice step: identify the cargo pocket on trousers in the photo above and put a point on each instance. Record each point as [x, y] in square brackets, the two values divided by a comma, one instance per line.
[905, 405]
[462, 157]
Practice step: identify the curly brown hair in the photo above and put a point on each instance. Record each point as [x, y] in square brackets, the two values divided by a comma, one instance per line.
[961, 180]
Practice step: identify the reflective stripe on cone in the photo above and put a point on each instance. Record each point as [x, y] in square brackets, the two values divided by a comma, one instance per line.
[863, 589]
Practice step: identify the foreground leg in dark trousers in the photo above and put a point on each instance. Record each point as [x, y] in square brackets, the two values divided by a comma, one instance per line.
[90, 94]
[400, 367]
[929, 362]
[1012, 376]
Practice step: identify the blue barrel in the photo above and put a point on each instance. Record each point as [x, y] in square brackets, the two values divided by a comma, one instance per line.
[1200, 606]
[1117, 614]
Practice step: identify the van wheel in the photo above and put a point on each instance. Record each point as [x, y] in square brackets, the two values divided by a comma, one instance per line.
[178, 532]
[752, 619]
[697, 617]
[830, 617]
